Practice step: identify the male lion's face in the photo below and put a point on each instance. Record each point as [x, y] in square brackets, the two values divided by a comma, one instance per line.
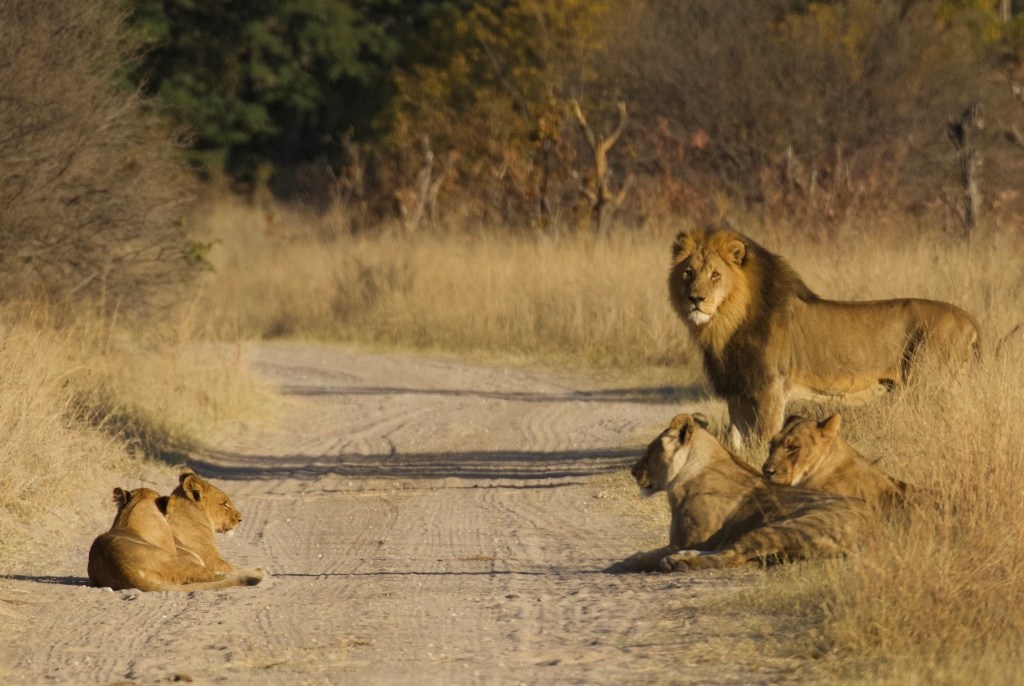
[799, 449]
[702, 279]
[665, 456]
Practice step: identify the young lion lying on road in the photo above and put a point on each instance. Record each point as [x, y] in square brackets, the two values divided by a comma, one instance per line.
[725, 514]
[195, 510]
[139, 552]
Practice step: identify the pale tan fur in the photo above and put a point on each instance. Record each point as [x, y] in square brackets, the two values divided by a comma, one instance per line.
[195, 510]
[813, 455]
[725, 514]
[139, 552]
[766, 338]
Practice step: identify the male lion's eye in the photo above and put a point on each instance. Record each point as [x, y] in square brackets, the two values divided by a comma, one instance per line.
[687, 274]
[715, 275]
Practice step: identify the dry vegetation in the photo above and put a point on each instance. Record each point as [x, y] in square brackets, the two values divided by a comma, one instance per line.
[938, 599]
[81, 401]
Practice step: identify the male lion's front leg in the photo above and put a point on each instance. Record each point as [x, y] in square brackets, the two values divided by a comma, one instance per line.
[770, 409]
[742, 420]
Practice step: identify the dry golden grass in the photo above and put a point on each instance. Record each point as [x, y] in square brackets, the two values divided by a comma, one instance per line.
[82, 401]
[559, 301]
[939, 598]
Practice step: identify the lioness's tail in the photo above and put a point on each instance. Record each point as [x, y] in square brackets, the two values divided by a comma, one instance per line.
[242, 577]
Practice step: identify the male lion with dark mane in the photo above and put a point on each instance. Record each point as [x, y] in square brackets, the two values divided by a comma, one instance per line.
[767, 338]
[725, 514]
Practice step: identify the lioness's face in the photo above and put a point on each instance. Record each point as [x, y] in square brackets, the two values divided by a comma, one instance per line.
[223, 514]
[702, 280]
[795, 452]
[664, 457]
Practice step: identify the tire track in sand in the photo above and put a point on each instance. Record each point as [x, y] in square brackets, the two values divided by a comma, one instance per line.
[427, 522]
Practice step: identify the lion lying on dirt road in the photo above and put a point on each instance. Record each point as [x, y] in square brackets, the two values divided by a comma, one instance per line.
[813, 455]
[767, 338]
[725, 514]
[196, 509]
[139, 552]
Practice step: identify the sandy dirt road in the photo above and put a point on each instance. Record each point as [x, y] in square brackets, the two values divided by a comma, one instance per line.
[426, 522]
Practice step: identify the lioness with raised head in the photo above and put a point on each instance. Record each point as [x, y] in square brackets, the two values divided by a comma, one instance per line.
[767, 338]
[139, 552]
[725, 514]
[195, 510]
[813, 455]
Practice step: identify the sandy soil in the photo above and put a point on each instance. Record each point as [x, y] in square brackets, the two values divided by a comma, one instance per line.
[426, 522]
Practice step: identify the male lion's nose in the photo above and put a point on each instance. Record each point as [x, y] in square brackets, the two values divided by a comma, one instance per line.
[696, 299]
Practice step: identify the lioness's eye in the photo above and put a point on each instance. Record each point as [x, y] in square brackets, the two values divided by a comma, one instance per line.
[791, 448]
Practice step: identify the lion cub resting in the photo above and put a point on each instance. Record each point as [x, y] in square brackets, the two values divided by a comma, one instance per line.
[139, 552]
[813, 455]
[195, 510]
[725, 514]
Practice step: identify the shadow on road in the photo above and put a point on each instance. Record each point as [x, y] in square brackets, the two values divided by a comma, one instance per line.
[483, 465]
[658, 394]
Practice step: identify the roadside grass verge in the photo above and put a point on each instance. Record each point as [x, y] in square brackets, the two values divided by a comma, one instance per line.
[938, 598]
[84, 401]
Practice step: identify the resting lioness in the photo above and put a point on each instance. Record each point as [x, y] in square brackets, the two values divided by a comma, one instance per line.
[195, 510]
[813, 455]
[139, 552]
[725, 514]
[767, 338]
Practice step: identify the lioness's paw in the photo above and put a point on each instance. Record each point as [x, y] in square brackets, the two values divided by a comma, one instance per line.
[251, 577]
[679, 562]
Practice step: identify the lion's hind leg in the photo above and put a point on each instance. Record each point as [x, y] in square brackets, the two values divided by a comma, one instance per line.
[649, 561]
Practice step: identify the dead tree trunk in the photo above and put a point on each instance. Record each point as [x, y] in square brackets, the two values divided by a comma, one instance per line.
[959, 131]
[602, 200]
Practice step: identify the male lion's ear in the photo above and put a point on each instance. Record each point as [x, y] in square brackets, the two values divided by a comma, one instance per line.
[830, 426]
[736, 251]
[681, 246]
[700, 420]
[193, 487]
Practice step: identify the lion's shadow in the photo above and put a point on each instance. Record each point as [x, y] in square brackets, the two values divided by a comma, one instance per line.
[49, 579]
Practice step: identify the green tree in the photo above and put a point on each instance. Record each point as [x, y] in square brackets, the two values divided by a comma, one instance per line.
[263, 79]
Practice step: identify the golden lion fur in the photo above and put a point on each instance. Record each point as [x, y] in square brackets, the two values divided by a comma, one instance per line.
[725, 514]
[195, 510]
[813, 455]
[139, 552]
[767, 338]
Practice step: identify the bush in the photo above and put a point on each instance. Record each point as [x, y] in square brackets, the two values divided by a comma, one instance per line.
[90, 187]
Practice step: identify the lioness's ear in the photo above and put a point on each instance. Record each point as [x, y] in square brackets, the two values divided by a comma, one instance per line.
[790, 421]
[736, 251]
[831, 425]
[193, 487]
[121, 497]
[185, 471]
[700, 420]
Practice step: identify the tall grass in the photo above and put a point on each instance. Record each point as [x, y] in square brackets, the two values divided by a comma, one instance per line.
[83, 401]
[562, 301]
[936, 598]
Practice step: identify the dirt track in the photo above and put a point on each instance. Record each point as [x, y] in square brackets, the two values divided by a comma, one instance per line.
[425, 522]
